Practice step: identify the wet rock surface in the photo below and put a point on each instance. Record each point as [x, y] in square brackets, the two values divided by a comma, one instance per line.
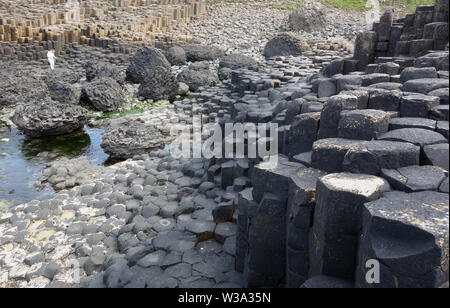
[48, 118]
[133, 135]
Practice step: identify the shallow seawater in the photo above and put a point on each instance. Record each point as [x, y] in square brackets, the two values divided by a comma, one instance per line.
[22, 160]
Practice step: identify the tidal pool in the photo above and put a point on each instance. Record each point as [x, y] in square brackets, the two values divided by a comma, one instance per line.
[22, 160]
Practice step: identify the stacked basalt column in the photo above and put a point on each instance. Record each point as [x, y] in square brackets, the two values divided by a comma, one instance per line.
[53, 22]
[362, 199]
[414, 35]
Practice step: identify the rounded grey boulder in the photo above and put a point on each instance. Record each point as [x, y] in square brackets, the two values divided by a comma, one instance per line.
[63, 92]
[104, 94]
[125, 138]
[63, 75]
[308, 18]
[225, 73]
[176, 55]
[145, 61]
[235, 61]
[158, 83]
[286, 44]
[95, 70]
[198, 52]
[198, 75]
[49, 118]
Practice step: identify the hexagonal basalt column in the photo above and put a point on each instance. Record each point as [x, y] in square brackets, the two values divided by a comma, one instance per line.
[418, 105]
[328, 154]
[246, 209]
[266, 259]
[365, 48]
[300, 210]
[338, 220]
[273, 177]
[330, 116]
[363, 124]
[371, 156]
[303, 133]
[407, 235]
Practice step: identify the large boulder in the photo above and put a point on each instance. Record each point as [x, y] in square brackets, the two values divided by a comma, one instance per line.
[64, 75]
[197, 52]
[145, 62]
[91, 69]
[198, 75]
[176, 56]
[286, 44]
[20, 87]
[308, 18]
[49, 118]
[159, 84]
[104, 94]
[235, 61]
[64, 92]
[96, 70]
[125, 138]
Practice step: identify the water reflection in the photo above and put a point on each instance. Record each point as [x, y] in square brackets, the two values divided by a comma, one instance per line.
[22, 160]
[69, 145]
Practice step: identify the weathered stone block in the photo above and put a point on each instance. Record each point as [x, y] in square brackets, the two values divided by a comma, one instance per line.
[424, 85]
[389, 68]
[442, 127]
[396, 32]
[266, 260]
[436, 155]
[441, 10]
[384, 27]
[361, 95]
[442, 94]
[303, 133]
[301, 202]
[350, 65]
[411, 73]
[415, 178]
[246, 208]
[417, 136]
[227, 174]
[363, 124]
[365, 48]
[338, 221]
[372, 156]
[418, 105]
[327, 87]
[398, 123]
[385, 100]
[328, 154]
[273, 177]
[347, 82]
[335, 67]
[374, 78]
[329, 119]
[408, 235]
[420, 47]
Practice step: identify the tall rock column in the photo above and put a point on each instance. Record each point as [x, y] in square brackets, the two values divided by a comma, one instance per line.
[338, 221]
[265, 260]
[365, 48]
[441, 11]
[383, 29]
